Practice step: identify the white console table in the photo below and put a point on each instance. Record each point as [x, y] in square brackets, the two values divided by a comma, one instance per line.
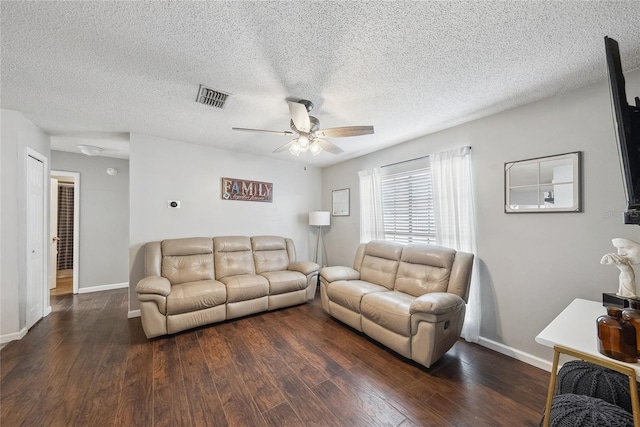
[574, 333]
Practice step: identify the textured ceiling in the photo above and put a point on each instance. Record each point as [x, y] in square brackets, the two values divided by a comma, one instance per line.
[92, 72]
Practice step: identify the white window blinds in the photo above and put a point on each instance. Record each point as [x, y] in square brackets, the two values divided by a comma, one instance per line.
[407, 206]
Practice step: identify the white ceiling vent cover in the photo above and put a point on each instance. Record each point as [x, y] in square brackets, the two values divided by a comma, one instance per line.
[212, 97]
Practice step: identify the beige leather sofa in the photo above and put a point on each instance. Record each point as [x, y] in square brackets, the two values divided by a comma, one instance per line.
[196, 281]
[410, 298]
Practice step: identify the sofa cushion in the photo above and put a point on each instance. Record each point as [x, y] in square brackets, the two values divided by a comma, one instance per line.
[187, 260]
[424, 269]
[187, 246]
[193, 296]
[281, 282]
[349, 293]
[389, 310]
[269, 253]
[233, 256]
[187, 268]
[245, 287]
[380, 263]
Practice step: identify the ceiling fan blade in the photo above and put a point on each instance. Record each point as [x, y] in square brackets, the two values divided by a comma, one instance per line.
[279, 132]
[345, 131]
[285, 146]
[300, 116]
[328, 146]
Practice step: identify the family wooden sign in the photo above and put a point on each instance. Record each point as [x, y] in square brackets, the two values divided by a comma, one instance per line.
[250, 191]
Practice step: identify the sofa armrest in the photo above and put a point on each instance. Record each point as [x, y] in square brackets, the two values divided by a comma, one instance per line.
[154, 285]
[436, 303]
[335, 273]
[304, 267]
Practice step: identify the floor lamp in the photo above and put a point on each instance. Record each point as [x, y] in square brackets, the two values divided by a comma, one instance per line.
[320, 219]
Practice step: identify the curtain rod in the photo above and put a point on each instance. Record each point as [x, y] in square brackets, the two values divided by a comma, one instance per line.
[404, 161]
[411, 160]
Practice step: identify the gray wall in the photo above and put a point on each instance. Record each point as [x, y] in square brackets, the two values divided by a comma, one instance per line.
[18, 133]
[104, 217]
[163, 170]
[532, 265]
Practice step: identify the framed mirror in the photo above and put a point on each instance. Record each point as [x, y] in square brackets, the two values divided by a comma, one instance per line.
[340, 202]
[544, 184]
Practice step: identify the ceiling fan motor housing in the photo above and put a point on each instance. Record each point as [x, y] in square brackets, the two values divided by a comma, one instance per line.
[307, 104]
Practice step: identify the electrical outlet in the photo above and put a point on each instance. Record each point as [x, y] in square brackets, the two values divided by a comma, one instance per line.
[173, 204]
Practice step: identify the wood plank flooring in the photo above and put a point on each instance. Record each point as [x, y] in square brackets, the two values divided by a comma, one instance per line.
[86, 364]
[64, 285]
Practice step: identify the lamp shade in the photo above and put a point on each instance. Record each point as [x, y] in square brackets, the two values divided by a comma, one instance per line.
[319, 218]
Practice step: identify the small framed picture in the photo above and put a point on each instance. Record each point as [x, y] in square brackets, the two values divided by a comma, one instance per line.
[340, 202]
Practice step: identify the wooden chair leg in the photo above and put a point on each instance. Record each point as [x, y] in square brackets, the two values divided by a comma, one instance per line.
[552, 386]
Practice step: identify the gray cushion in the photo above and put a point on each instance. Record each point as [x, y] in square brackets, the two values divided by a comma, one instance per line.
[574, 410]
[580, 377]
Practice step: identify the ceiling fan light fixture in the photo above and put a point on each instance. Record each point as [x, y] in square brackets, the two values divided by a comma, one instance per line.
[303, 141]
[315, 148]
[295, 149]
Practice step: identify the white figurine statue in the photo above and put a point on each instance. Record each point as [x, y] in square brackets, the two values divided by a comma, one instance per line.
[628, 255]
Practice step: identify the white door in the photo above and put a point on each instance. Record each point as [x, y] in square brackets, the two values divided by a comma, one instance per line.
[35, 240]
[53, 231]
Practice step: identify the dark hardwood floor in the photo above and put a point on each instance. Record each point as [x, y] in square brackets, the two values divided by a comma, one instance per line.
[86, 364]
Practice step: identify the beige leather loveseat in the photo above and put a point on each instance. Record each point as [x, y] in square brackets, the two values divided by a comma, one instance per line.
[410, 298]
[196, 281]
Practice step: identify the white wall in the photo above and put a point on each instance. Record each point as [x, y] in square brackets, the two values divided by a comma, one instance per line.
[532, 265]
[18, 133]
[163, 170]
[104, 217]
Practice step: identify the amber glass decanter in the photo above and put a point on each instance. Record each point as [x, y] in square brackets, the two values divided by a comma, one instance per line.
[617, 336]
[632, 314]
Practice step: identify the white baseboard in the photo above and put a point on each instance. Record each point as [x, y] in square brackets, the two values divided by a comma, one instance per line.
[19, 335]
[133, 313]
[516, 354]
[13, 336]
[103, 288]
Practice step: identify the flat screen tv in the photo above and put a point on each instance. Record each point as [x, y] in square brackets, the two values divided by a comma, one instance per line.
[627, 124]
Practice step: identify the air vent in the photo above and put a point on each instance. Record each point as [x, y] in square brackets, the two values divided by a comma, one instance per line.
[212, 97]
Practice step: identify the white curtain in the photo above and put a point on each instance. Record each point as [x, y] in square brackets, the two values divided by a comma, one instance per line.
[455, 220]
[371, 223]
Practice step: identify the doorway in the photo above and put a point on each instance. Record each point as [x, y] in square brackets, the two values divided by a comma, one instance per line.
[65, 232]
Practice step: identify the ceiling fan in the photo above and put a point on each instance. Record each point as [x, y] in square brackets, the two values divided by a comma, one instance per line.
[309, 133]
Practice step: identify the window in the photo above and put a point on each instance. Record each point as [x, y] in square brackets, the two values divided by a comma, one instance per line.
[407, 207]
